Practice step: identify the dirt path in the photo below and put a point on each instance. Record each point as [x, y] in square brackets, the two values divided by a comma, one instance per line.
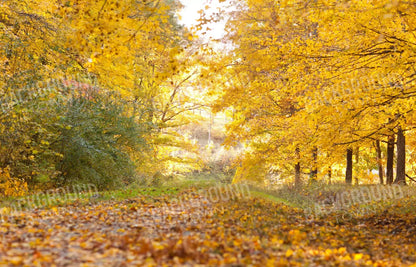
[239, 232]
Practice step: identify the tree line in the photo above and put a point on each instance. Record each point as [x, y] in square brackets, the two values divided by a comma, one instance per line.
[314, 85]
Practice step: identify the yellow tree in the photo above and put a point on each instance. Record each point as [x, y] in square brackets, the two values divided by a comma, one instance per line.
[336, 74]
[131, 47]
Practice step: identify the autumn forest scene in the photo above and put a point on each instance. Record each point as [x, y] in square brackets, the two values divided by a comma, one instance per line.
[208, 133]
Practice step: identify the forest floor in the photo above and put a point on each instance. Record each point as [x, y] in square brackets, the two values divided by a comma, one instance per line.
[191, 226]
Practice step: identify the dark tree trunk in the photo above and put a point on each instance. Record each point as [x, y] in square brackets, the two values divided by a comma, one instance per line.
[348, 172]
[314, 171]
[329, 175]
[298, 181]
[390, 159]
[380, 164]
[401, 158]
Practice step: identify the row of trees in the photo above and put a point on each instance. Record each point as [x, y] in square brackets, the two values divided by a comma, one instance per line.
[312, 83]
[93, 91]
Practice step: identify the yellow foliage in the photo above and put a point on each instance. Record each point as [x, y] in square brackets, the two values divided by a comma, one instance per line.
[252, 169]
[10, 186]
[133, 47]
[316, 79]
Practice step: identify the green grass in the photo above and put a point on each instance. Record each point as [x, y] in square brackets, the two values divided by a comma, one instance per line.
[169, 189]
[303, 198]
[321, 195]
[265, 195]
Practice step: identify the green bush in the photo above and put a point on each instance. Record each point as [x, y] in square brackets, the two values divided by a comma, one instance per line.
[57, 135]
[28, 127]
[98, 140]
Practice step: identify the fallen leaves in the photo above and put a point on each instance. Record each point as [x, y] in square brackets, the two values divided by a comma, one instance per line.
[155, 232]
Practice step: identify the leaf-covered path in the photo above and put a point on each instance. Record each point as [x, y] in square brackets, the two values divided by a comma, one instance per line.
[157, 231]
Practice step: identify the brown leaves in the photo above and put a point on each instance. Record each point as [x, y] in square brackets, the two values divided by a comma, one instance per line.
[241, 232]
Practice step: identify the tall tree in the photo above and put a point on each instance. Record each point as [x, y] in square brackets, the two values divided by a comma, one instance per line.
[390, 159]
[401, 158]
[298, 180]
[348, 172]
[317, 75]
[133, 48]
[379, 162]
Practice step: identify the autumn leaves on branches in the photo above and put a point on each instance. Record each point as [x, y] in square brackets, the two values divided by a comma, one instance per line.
[133, 52]
[313, 83]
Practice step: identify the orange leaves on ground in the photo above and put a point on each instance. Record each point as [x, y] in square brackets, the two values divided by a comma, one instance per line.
[144, 231]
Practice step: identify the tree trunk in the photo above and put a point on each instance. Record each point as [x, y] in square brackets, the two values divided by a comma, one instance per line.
[380, 164]
[348, 172]
[329, 175]
[314, 171]
[298, 181]
[390, 158]
[401, 158]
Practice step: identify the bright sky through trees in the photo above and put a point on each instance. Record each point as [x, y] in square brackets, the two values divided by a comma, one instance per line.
[286, 137]
[189, 16]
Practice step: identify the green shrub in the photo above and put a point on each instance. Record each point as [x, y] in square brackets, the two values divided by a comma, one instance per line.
[98, 140]
[57, 135]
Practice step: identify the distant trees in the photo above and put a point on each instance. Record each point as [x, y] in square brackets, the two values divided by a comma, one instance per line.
[132, 52]
[319, 78]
